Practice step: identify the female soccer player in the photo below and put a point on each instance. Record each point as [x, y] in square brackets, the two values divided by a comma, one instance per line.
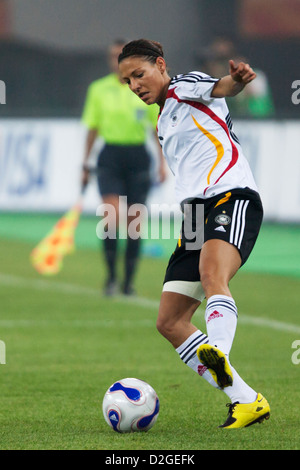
[211, 172]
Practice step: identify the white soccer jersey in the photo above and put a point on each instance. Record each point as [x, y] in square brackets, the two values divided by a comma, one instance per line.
[196, 135]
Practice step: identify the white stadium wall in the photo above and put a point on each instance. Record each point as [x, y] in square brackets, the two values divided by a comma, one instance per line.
[40, 166]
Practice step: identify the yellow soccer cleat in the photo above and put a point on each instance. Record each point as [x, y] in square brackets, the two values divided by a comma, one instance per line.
[242, 415]
[216, 362]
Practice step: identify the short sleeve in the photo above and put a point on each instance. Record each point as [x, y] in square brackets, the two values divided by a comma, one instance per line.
[196, 86]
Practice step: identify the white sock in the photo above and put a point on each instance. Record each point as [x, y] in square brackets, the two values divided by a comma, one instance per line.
[221, 320]
[188, 354]
[240, 391]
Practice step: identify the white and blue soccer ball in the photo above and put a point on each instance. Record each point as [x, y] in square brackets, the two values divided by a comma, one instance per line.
[130, 405]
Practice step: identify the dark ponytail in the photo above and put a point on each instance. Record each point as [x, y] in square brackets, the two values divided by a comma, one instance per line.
[142, 47]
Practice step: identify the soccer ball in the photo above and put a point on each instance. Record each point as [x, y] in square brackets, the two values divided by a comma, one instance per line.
[130, 405]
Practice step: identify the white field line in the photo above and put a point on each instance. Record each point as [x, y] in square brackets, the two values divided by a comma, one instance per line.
[142, 302]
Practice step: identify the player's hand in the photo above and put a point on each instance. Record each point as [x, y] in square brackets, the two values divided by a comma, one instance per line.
[241, 73]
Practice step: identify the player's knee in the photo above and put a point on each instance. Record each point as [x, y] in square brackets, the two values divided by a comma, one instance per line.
[161, 326]
[208, 278]
[211, 280]
[165, 326]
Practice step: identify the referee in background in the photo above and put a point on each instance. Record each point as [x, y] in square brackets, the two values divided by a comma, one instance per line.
[112, 112]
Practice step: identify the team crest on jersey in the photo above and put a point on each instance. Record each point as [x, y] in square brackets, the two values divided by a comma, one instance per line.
[223, 219]
[174, 119]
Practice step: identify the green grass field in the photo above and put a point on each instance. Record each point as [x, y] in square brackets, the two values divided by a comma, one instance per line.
[66, 344]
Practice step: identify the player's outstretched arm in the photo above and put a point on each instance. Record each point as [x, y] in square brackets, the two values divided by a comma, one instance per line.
[230, 85]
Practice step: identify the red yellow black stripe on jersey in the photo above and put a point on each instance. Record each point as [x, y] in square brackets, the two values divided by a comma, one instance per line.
[220, 151]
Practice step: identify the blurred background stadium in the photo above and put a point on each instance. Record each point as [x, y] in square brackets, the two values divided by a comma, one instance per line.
[51, 50]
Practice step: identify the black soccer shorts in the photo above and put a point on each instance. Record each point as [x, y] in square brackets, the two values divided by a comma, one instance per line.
[234, 216]
[124, 170]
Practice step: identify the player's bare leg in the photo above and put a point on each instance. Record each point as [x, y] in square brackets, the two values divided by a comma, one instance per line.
[174, 323]
[174, 317]
[219, 262]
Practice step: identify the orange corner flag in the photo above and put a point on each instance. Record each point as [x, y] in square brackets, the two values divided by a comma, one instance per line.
[48, 255]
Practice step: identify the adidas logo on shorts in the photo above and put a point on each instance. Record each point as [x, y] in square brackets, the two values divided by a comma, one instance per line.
[220, 229]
